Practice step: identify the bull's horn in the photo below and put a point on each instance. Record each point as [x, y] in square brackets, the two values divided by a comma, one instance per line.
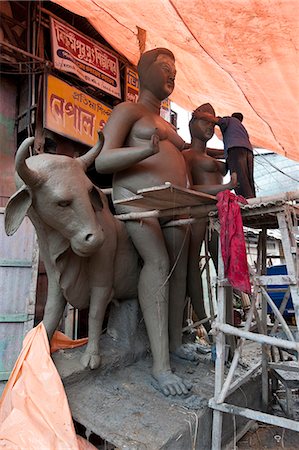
[89, 157]
[30, 177]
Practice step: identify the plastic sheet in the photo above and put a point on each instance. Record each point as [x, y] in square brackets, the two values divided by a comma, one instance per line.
[237, 55]
[34, 411]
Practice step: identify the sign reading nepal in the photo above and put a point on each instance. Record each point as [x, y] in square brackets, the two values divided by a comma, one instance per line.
[72, 113]
[75, 53]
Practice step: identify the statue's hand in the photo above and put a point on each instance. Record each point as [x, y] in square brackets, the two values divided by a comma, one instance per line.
[155, 143]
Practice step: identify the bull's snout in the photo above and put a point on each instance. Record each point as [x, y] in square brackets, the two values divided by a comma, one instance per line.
[87, 243]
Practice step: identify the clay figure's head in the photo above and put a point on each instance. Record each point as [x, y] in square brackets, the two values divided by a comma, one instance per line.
[199, 128]
[156, 70]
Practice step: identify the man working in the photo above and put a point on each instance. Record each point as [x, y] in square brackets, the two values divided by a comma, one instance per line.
[237, 150]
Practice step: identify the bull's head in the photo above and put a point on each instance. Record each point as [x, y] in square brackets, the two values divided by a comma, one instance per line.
[61, 195]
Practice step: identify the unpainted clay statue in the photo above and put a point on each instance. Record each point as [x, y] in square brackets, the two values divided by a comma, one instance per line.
[87, 253]
[207, 175]
[143, 150]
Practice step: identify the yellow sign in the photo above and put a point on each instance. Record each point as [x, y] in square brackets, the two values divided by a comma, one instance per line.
[72, 113]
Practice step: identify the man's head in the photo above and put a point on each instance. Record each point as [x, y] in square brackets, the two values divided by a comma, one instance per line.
[238, 116]
[202, 128]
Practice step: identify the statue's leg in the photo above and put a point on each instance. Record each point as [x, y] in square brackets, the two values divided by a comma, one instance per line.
[195, 289]
[177, 239]
[54, 307]
[153, 291]
[100, 297]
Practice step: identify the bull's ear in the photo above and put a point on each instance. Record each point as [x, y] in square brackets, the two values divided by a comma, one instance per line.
[16, 210]
[95, 199]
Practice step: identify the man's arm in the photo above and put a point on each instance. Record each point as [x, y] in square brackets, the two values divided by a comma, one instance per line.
[206, 116]
[216, 153]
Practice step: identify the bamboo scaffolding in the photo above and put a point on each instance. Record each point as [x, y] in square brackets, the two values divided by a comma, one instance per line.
[278, 314]
[220, 359]
[255, 415]
[261, 338]
[235, 360]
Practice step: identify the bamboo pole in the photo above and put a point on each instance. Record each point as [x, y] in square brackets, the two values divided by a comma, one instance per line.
[24, 53]
[241, 380]
[290, 261]
[198, 211]
[278, 314]
[220, 357]
[261, 338]
[235, 360]
[278, 421]
[284, 197]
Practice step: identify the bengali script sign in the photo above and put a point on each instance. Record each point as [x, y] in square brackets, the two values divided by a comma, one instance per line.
[71, 113]
[165, 109]
[131, 85]
[75, 53]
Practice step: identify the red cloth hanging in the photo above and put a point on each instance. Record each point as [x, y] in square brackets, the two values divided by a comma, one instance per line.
[232, 240]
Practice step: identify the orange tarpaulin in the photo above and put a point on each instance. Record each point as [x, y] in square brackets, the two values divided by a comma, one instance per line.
[34, 411]
[239, 55]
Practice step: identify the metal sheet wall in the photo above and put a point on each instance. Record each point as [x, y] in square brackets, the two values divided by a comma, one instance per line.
[18, 277]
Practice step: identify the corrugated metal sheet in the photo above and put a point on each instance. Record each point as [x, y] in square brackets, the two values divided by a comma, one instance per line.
[274, 174]
[18, 276]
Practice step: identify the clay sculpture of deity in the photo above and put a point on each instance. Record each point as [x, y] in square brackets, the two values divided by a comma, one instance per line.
[143, 150]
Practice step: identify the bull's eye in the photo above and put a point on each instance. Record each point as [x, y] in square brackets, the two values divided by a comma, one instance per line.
[64, 203]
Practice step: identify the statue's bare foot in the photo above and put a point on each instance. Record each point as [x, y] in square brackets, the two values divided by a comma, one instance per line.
[90, 360]
[171, 384]
[187, 351]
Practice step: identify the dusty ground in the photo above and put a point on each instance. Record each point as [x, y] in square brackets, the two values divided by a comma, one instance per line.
[269, 437]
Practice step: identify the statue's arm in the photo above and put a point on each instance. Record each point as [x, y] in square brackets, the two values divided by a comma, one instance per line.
[216, 153]
[188, 162]
[114, 156]
[213, 189]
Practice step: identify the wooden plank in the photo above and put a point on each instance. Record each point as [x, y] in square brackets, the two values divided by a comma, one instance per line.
[15, 263]
[13, 318]
[167, 196]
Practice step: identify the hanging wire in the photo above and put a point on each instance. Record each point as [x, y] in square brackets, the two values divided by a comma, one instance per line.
[275, 167]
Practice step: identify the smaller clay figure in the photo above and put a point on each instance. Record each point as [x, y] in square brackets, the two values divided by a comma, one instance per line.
[238, 150]
[207, 175]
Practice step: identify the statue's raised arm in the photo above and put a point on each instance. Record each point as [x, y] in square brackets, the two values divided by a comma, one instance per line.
[116, 155]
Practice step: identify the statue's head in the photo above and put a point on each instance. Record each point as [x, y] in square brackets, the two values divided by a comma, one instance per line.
[200, 128]
[156, 71]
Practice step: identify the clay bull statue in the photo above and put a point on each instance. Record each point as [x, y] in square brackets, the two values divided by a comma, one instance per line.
[88, 256]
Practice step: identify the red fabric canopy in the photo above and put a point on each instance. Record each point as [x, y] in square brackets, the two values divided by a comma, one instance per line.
[239, 55]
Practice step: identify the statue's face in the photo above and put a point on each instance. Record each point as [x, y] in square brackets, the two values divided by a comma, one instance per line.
[160, 77]
[203, 130]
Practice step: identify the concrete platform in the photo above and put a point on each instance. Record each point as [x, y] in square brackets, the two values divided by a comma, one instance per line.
[119, 402]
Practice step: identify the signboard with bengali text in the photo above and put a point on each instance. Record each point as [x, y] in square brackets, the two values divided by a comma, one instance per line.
[75, 53]
[72, 113]
[131, 85]
[165, 110]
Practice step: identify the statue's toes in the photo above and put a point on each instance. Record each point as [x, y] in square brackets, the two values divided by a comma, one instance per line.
[91, 361]
[95, 361]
